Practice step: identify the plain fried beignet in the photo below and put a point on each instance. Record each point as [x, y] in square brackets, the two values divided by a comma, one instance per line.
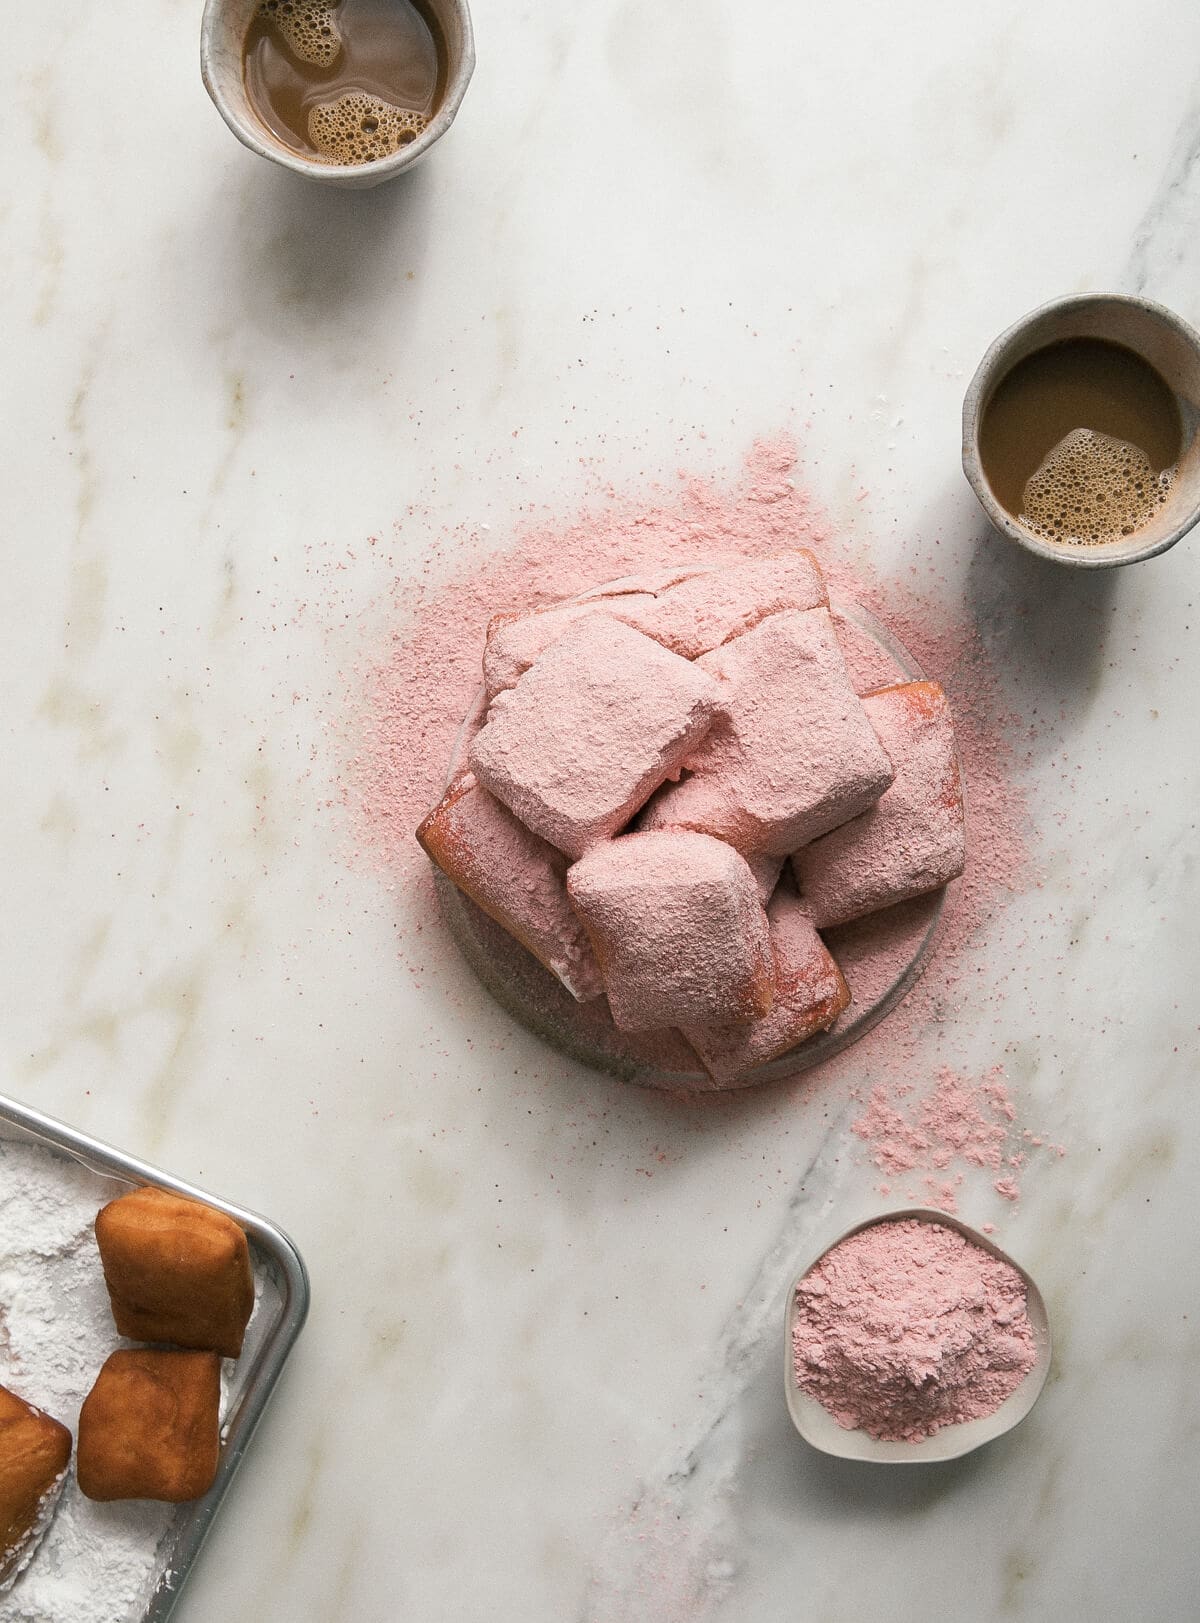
[176, 1271]
[150, 1426]
[34, 1453]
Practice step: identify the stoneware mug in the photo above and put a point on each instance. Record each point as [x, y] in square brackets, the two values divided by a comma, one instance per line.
[222, 34]
[1170, 346]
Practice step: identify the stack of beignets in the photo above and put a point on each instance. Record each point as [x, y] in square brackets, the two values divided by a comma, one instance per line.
[652, 756]
[177, 1272]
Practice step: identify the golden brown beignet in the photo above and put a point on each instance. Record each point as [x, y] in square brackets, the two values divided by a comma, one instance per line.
[150, 1426]
[176, 1271]
[34, 1451]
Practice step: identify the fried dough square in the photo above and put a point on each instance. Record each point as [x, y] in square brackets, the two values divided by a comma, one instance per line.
[810, 993]
[914, 838]
[717, 606]
[678, 929]
[34, 1453]
[177, 1271]
[590, 731]
[515, 877]
[150, 1426]
[792, 754]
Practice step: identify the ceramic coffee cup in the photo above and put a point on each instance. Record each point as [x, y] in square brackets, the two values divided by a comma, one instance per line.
[1170, 346]
[222, 34]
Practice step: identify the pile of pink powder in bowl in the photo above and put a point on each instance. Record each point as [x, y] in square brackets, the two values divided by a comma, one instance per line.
[906, 1326]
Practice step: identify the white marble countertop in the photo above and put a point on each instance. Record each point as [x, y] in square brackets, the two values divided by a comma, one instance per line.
[538, 1385]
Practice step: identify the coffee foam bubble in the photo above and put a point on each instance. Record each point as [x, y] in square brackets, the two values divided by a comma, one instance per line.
[1093, 488]
[306, 26]
[357, 128]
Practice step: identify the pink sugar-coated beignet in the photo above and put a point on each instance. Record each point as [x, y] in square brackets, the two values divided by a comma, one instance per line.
[914, 838]
[766, 871]
[593, 727]
[689, 611]
[868, 662]
[517, 879]
[810, 993]
[678, 929]
[792, 754]
[713, 608]
[515, 641]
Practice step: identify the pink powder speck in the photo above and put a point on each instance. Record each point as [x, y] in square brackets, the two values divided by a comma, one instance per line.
[956, 1121]
[906, 1327]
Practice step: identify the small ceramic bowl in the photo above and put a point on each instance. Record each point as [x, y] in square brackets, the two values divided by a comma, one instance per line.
[818, 1427]
[1156, 334]
[222, 34]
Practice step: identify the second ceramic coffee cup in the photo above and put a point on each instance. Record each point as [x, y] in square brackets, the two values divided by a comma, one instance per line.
[1152, 332]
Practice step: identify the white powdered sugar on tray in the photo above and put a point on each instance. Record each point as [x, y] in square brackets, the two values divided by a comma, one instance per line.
[98, 1563]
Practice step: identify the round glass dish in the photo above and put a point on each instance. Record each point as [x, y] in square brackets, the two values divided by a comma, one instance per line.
[881, 956]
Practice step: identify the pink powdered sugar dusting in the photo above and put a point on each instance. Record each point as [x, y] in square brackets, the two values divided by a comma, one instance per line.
[516, 878]
[906, 1327]
[678, 929]
[911, 840]
[957, 1124]
[596, 724]
[794, 753]
[406, 706]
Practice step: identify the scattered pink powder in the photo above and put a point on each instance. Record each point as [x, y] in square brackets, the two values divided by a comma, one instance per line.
[907, 1327]
[956, 1121]
[406, 705]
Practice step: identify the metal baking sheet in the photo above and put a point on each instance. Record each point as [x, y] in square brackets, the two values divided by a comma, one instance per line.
[281, 1283]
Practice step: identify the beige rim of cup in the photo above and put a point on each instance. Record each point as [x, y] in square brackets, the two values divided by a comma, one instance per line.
[222, 34]
[819, 1428]
[1160, 337]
